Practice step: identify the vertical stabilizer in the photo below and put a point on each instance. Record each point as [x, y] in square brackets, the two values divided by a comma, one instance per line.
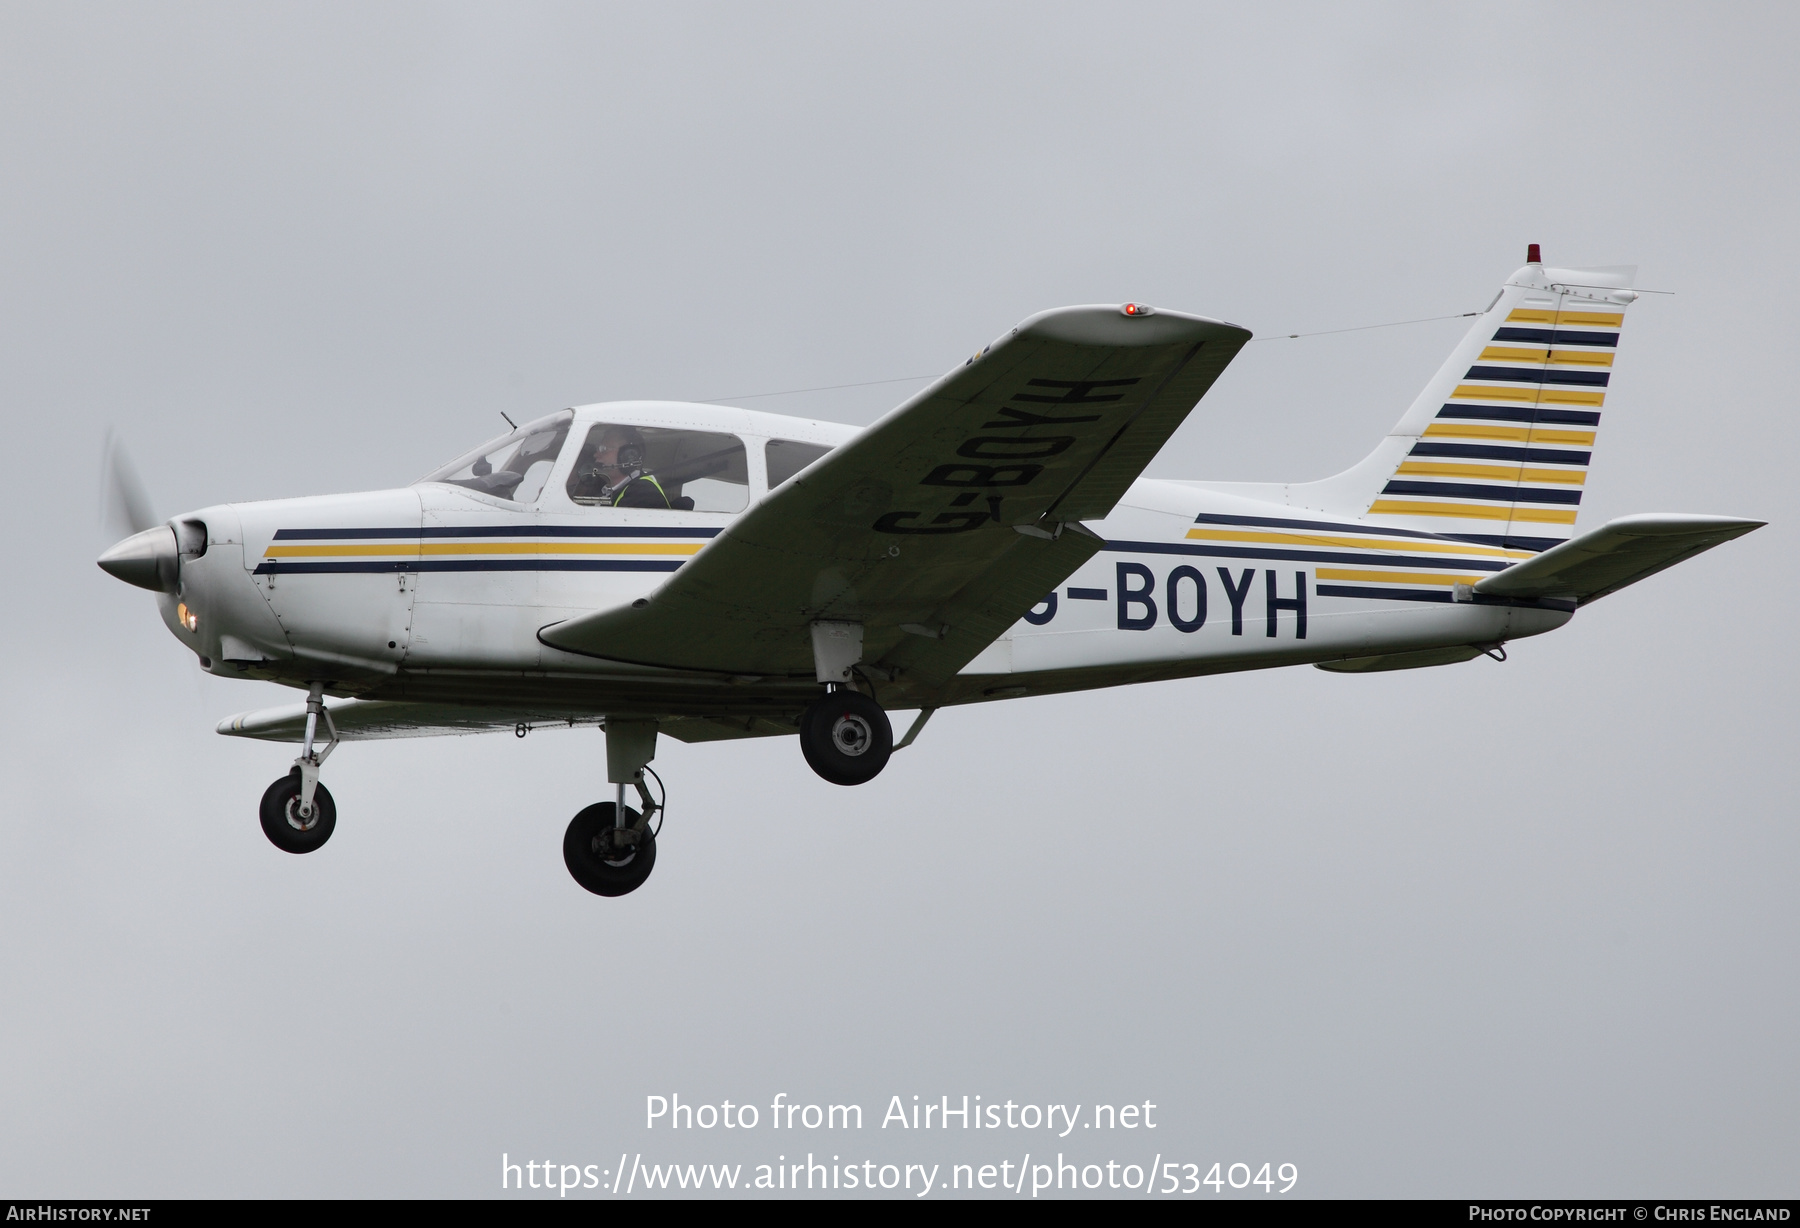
[1496, 449]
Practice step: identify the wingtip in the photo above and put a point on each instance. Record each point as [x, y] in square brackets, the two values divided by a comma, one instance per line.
[1108, 324]
[1658, 524]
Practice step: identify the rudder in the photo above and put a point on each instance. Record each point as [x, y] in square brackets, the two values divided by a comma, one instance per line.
[1496, 448]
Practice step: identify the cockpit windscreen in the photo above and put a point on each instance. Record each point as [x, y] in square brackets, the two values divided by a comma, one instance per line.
[513, 467]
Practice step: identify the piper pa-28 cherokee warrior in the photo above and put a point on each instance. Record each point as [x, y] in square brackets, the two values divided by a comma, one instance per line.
[705, 572]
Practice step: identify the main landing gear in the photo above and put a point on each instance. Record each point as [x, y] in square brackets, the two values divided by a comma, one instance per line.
[298, 815]
[608, 847]
[845, 736]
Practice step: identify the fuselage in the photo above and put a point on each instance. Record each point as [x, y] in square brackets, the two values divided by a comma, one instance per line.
[437, 591]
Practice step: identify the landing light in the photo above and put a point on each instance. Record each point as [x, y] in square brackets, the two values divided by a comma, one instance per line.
[187, 617]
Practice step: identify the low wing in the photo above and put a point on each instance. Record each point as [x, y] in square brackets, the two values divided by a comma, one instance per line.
[943, 523]
[1620, 552]
[360, 720]
[363, 720]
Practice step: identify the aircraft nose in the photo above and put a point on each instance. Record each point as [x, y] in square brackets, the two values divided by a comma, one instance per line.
[149, 560]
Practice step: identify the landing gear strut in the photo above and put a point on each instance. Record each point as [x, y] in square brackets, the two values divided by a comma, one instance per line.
[609, 848]
[298, 815]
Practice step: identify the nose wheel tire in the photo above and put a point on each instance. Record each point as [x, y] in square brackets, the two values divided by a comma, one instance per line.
[846, 738]
[604, 859]
[284, 825]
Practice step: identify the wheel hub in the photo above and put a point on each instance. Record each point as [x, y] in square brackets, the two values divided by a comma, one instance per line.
[614, 846]
[298, 821]
[851, 734]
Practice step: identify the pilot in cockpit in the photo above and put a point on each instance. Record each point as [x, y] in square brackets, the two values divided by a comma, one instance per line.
[615, 472]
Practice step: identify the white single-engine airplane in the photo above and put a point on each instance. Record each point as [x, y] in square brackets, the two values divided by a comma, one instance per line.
[709, 573]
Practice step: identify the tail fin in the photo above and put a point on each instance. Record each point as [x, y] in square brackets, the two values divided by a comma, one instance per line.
[1496, 448]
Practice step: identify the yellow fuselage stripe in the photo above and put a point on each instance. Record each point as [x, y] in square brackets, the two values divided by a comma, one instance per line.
[1510, 473]
[1397, 577]
[417, 549]
[1362, 543]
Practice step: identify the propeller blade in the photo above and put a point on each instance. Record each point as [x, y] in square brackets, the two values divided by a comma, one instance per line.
[125, 506]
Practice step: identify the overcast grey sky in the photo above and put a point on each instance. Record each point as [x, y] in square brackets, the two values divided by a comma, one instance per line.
[1483, 930]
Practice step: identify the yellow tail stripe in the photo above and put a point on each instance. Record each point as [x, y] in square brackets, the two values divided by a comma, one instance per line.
[1516, 434]
[1511, 473]
[1528, 393]
[1581, 358]
[1536, 315]
[1569, 358]
[1471, 511]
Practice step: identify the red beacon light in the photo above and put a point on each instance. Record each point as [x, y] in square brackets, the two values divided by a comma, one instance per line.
[1137, 309]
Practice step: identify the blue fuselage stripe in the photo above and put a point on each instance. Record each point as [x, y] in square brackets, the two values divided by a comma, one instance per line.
[1266, 522]
[542, 530]
[282, 567]
[1304, 556]
[1369, 593]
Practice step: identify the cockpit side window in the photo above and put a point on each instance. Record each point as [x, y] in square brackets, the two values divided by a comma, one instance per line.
[787, 457]
[513, 467]
[660, 469]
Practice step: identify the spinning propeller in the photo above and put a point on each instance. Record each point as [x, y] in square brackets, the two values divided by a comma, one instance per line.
[149, 557]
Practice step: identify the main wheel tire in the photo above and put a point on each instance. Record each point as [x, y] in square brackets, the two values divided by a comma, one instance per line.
[846, 738]
[281, 820]
[601, 870]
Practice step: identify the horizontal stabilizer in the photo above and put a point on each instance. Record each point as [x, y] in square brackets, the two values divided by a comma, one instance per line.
[1620, 552]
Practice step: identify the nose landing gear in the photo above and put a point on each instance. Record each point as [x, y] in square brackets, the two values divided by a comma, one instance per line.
[298, 815]
[605, 855]
[609, 848]
[284, 825]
